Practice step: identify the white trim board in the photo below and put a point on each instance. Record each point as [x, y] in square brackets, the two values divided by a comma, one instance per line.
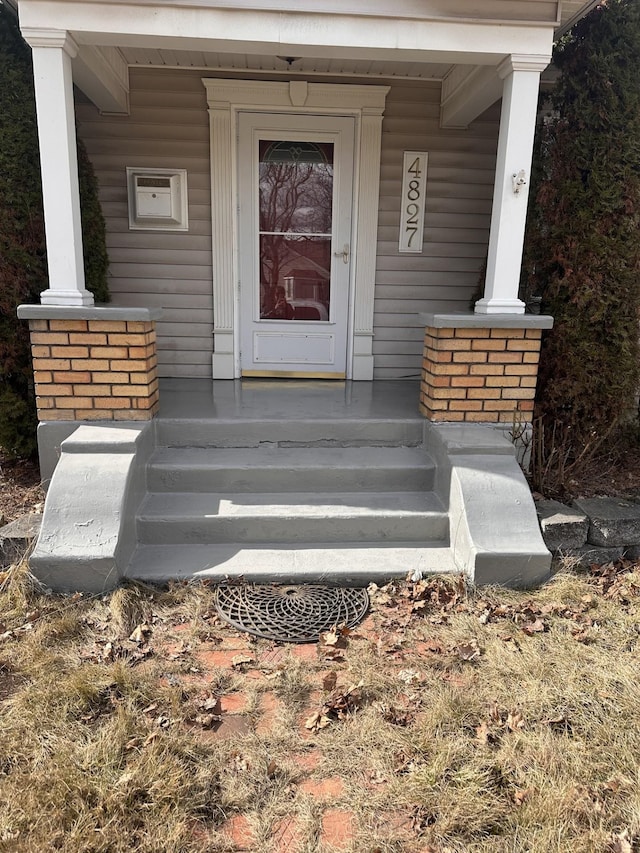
[225, 99]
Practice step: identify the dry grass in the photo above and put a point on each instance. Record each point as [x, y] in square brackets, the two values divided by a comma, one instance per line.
[483, 721]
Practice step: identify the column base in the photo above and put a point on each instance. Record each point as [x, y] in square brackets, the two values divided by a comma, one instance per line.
[93, 363]
[480, 369]
[499, 306]
[67, 297]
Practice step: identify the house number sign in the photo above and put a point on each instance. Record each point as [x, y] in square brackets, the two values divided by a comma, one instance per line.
[414, 182]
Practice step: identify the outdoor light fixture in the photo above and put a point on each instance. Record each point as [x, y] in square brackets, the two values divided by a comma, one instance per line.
[289, 59]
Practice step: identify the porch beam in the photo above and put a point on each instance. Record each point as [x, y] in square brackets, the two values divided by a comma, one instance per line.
[521, 75]
[246, 30]
[52, 53]
[467, 91]
[103, 75]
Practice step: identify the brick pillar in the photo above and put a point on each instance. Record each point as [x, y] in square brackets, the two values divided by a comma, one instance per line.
[94, 369]
[479, 374]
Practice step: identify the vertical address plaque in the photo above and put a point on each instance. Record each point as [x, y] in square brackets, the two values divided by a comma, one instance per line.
[414, 182]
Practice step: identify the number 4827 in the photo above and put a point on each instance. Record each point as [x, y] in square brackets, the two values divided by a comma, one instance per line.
[413, 205]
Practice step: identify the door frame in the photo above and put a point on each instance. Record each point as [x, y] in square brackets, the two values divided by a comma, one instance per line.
[225, 99]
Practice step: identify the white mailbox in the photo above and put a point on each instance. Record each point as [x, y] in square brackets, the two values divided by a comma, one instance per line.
[153, 196]
[157, 199]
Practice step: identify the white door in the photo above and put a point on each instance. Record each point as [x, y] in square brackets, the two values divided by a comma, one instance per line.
[295, 232]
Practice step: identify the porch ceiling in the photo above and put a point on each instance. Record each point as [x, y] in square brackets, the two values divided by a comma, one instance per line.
[301, 65]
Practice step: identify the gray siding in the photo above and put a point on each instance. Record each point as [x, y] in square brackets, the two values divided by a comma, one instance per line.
[457, 214]
[168, 127]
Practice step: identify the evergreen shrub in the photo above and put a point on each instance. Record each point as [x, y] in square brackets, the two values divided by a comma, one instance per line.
[582, 247]
[23, 263]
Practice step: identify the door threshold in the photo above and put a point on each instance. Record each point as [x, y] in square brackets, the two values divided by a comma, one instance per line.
[290, 374]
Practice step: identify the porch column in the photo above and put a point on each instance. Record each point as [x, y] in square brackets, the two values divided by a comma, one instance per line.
[52, 54]
[521, 75]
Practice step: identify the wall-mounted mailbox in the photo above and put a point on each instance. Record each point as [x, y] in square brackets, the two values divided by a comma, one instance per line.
[157, 199]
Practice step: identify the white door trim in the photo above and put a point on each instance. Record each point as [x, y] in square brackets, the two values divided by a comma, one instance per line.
[225, 99]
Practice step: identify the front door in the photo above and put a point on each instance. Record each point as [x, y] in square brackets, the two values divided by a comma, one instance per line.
[295, 232]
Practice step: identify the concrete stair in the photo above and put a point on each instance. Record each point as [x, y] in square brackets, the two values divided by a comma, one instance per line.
[331, 501]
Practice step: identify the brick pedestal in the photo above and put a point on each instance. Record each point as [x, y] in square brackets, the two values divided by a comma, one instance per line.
[94, 369]
[480, 373]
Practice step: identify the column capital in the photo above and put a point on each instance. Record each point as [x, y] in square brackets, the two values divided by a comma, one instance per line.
[38, 37]
[523, 62]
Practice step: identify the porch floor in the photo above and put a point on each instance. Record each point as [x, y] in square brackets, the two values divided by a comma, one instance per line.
[292, 399]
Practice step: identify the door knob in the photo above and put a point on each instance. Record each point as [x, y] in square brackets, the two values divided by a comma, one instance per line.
[344, 254]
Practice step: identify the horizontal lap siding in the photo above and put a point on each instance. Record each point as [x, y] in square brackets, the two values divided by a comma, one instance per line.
[168, 128]
[456, 230]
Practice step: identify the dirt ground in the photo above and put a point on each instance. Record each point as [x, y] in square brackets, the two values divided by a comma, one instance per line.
[448, 721]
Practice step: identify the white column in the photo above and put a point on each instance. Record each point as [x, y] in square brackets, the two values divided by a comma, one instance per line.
[52, 54]
[521, 75]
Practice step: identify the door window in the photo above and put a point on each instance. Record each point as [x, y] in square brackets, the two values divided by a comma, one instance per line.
[295, 226]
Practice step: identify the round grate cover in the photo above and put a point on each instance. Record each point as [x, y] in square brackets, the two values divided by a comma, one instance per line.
[290, 614]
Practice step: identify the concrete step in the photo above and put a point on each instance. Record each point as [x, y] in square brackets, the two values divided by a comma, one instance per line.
[347, 565]
[270, 468]
[290, 432]
[291, 517]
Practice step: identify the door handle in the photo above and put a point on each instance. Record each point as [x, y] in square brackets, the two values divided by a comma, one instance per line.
[344, 254]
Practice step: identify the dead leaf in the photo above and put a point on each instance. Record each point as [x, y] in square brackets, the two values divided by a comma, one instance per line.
[397, 716]
[484, 735]
[521, 795]
[140, 633]
[469, 651]
[272, 768]
[621, 843]
[537, 626]
[317, 721]
[515, 721]
[150, 708]
[240, 660]
[335, 638]
[329, 681]
[207, 721]
[211, 704]
[559, 720]
[239, 763]
[334, 655]
[613, 785]
[409, 676]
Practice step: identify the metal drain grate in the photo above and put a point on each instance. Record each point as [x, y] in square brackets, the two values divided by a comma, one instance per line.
[290, 614]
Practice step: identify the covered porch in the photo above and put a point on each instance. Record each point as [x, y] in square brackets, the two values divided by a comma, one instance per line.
[422, 119]
[472, 187]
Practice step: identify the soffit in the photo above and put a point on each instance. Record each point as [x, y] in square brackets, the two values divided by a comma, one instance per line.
[304, 65]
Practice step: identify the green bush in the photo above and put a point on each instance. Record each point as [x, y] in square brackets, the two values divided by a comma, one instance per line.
[23, 271]
[582, 248]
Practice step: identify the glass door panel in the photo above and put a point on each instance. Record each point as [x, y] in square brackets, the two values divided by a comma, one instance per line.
[295, 228]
